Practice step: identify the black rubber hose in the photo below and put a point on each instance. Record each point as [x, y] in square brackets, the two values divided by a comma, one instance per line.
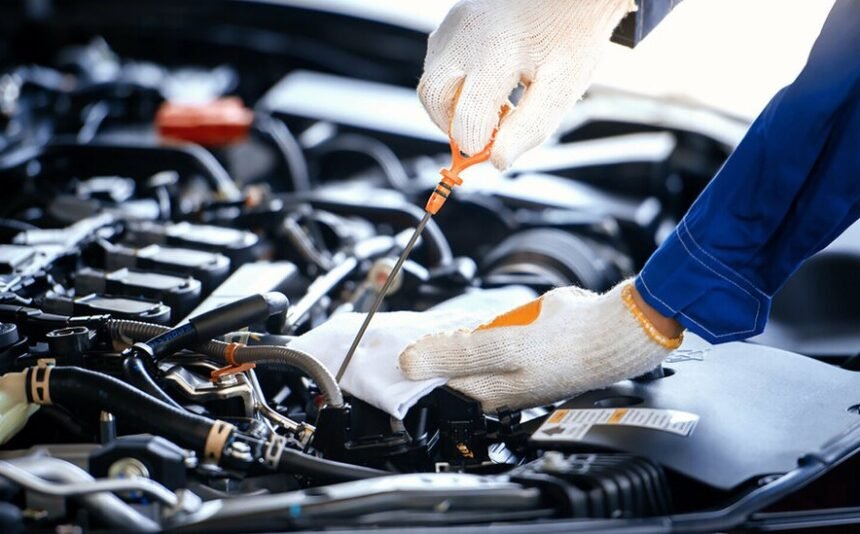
[289, 147]
[321, 470]
[387, 160]
[136, 373]
[80, 386]
[221, 320]
[74, 385]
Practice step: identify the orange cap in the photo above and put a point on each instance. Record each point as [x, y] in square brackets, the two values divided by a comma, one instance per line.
[217, 123]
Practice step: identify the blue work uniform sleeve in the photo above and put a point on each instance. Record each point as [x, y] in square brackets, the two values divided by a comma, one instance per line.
[790, 187]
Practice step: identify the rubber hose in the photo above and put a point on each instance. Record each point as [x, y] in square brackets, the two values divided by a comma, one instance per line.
[289, 147]
[148, 414]
[322, 470]
[135, 371]
[219, 321]
[129, 331]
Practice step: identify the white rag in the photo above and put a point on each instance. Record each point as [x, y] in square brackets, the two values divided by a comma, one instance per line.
[374, 374]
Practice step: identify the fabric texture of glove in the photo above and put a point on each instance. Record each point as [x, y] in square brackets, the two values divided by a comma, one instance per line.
[490, 46]
[566, 342]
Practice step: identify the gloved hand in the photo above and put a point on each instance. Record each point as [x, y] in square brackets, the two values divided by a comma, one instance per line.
[374, 375]
[489, 46]
[568, 341]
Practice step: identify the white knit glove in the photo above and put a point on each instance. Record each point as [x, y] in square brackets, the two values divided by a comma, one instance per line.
[489, 46]
[566, 342]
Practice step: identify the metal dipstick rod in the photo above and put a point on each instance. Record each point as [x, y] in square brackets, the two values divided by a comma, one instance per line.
[450, 180]
[377, 302]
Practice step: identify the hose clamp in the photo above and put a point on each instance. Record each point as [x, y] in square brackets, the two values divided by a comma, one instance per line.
[219, 433]
[40, 378]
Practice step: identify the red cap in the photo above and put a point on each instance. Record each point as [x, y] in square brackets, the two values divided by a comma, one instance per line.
[217, 123]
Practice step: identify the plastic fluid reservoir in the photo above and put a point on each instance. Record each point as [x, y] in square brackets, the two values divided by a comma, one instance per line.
[14, 408]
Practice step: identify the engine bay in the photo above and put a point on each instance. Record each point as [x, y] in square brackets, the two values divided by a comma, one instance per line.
[170, 227]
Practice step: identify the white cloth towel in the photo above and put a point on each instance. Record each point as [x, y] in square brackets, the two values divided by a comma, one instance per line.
[374, 374]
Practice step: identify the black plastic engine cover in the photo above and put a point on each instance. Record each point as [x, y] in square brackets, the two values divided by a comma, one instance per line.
[759, 409]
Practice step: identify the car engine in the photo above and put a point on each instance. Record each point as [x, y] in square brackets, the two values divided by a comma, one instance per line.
[172, 222]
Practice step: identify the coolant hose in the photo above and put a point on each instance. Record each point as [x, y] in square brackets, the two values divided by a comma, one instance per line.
[128, 332]
[74, 385]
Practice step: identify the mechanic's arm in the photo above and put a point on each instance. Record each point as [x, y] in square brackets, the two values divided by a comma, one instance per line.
[786, 192]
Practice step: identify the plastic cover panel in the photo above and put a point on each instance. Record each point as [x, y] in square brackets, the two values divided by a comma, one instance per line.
[760, 410]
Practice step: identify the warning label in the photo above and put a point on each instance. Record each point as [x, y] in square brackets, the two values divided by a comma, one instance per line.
[572, 425]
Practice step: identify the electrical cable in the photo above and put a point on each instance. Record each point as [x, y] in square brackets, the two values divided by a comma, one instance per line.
[148, 414]
[298, 463]
[217, 322]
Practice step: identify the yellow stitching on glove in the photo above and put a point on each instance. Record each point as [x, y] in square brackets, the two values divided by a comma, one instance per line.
[650, 329]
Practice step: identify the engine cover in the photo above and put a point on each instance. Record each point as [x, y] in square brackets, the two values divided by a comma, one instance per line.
[750, 411]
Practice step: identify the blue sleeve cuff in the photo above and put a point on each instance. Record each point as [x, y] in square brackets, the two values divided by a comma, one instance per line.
[684, 281]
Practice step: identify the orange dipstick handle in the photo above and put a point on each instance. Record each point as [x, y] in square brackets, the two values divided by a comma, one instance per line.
[459, 163]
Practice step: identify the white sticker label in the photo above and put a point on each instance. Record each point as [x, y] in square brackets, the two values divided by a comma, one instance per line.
[572, 425]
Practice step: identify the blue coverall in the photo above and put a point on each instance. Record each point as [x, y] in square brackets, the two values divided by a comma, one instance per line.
[788, 190]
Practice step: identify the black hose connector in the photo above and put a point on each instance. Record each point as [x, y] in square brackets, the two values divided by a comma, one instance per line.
[221, 320]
